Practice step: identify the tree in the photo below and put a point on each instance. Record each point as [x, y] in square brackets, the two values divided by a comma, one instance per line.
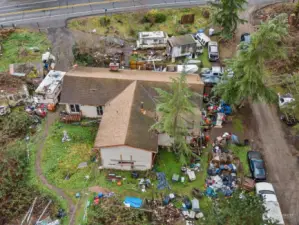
[172, 106]
[250, 74]
[226, 16]
[240, 209]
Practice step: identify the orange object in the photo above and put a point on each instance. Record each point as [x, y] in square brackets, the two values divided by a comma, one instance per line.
[51, 107]
[119, 183]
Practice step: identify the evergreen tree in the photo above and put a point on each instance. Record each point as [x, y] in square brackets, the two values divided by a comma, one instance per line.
[226, 16]
[171, 107]
[239, 209]
[250, 74]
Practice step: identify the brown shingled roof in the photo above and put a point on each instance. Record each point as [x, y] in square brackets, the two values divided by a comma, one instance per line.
[96, 86]
[123, 123]
[122, 93]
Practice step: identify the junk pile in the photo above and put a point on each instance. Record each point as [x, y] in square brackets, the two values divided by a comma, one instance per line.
[191, 210]
[163, 214]
[37, 109]
[100, 195]
[222, 171]
[216, 113]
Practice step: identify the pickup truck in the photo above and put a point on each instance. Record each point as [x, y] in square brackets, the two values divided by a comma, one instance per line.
[266, 191]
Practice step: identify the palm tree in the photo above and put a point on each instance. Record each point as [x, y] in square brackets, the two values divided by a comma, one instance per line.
[171, 107]
[226, 16]
[250, 74]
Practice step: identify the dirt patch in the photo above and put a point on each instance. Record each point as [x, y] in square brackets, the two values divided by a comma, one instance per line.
[62, 47]
[98, 189]
[265, 128]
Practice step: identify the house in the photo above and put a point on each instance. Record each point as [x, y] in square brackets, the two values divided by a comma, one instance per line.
[125, 102]
[154, 39]
[48, 91]
[184, 45]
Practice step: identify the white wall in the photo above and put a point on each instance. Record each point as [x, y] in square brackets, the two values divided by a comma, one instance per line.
[87, 110]
[111, 155]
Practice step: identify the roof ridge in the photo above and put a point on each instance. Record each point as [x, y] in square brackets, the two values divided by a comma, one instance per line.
[131, 107]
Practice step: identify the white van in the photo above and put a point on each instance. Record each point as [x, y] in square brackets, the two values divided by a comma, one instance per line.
[271, 204]
[202, 38]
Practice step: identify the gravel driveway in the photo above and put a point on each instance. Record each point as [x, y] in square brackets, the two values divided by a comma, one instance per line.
[268, 134]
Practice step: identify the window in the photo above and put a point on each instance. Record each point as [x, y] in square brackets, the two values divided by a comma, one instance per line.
[100, 110]
[75, 108]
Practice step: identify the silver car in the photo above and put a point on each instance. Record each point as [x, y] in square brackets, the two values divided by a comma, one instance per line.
[213, 51]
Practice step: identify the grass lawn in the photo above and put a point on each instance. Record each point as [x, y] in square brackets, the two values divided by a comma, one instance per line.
[16, 48]
[129, 24]
[168, 164]
[60, 159]
[241, 152]
[205, 59]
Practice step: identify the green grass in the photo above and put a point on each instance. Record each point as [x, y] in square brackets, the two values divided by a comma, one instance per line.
[205, 59]
[238, 125]
[129, 24]
[59, 159]
[32, 177]
[168, 164]
[16, 48]
[241, 152]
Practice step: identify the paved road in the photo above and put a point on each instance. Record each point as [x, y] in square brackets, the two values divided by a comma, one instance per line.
[54, 13]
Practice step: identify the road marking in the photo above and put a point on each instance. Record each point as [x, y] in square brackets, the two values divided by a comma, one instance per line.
[95, 12]
[60, 7]
[30, 3]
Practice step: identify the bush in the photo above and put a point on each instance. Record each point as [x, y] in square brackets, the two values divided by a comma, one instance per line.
[206, 14]
[132, 32]
[153, 17]
[183, 29]
[105, 21]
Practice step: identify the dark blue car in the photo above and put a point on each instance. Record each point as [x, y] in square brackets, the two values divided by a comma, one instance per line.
[256, 165]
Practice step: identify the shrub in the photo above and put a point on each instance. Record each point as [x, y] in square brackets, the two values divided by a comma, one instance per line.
[132, 32]
[153, 17]
[183, 29]
[104, 21]
[206, 14]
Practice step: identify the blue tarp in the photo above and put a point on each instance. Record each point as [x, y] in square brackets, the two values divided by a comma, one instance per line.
[162, 182]
[134, 202]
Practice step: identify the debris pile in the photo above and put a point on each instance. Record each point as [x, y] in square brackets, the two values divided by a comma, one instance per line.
[222, 171]
[163, 214]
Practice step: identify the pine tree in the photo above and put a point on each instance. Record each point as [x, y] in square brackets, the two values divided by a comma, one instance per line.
[226, 16]
[171, 107]
[250, 74]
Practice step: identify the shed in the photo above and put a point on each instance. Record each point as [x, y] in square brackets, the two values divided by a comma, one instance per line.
[179, 46]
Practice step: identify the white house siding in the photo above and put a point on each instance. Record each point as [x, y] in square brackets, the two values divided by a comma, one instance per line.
[111, 156]
[87, 110]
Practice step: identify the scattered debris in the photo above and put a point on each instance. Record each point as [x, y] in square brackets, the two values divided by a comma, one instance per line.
[65, 137]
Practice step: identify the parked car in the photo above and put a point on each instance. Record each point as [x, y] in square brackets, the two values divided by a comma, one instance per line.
[273, 212]
[214, 75]
[256, 165]
[213, 51]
